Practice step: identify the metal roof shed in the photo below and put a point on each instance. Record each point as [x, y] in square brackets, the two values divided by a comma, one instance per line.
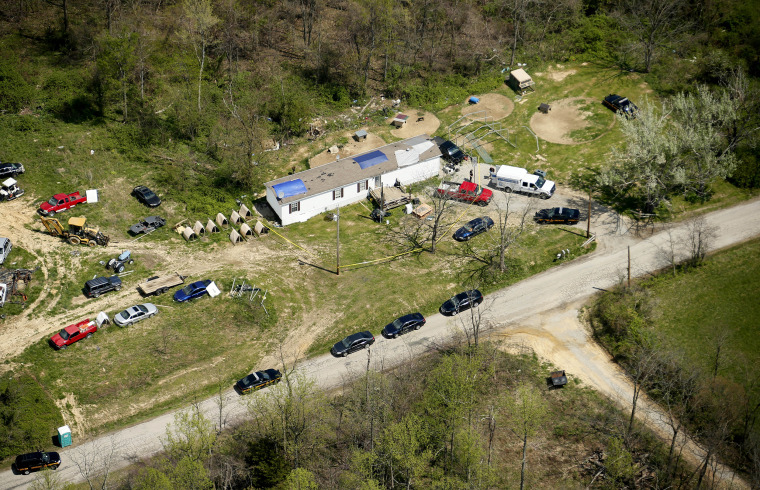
[520, 81]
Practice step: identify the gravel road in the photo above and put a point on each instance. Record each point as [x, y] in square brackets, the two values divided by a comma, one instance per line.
[540, 311]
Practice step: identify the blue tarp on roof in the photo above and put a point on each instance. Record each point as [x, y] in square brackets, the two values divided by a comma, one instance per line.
[369, 159]
[289, 188]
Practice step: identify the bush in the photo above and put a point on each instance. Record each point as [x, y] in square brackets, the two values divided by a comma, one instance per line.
[15, 93]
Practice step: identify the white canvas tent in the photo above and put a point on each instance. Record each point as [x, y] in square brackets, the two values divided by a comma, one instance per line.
[199, 229]
[235, 217]
[235, 237]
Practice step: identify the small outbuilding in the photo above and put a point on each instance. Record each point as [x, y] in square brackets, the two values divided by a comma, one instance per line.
[399, 120]
[520, 81]
[235, 217]
[211, 227]
[260, 229]
[245, 212]
[360, 135]
[221, 220]
[235, 237]
[199, 229]
[189, 234]
[246, 231]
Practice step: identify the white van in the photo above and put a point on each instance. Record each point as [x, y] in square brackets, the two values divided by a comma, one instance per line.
[5, 248]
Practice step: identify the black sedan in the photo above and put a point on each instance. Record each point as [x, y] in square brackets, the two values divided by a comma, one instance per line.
[352, 343]
[146, 196]
[621, 104]
[567, 216]
[406, 323]
[258, 380]
[461, 302]
[473, 228]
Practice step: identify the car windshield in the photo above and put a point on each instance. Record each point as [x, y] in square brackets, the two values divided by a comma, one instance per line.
[148, 194]
[455, 300]
[53, 201]
[64, 334]
[188, 289]
[124, 314]
[397, 323]
[141, 308]
[468, 227]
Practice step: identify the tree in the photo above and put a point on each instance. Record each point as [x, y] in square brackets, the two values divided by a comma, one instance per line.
[471, 324]
[402, 450]
[47, 480]
[653, 23]
[94, 462]
[527, 409]
[309, 10]
[117, 61]
[198, 22]
[642, 363]
[700, 235]
[191, 436]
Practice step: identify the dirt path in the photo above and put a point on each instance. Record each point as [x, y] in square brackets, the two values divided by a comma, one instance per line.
[540, 311]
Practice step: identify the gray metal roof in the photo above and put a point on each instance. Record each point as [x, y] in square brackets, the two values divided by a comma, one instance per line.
[346, 171]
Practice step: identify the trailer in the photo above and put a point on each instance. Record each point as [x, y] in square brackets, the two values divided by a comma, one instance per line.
[160, 284]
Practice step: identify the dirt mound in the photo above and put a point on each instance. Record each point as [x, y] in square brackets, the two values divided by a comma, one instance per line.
[496, 106]
[565, 116]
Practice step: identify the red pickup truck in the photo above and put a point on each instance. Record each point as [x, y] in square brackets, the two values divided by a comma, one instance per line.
[465, 191]
[74, 333]
[61, 202]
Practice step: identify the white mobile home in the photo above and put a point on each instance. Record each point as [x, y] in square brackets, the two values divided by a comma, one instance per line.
[300, 196]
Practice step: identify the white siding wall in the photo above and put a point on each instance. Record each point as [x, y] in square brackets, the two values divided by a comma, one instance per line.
[314, 205]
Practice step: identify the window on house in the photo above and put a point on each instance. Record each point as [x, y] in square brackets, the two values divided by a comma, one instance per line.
[295, 207]
[361, 186]
[337, 193]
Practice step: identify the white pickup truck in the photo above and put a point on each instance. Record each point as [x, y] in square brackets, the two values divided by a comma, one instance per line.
[519, 180]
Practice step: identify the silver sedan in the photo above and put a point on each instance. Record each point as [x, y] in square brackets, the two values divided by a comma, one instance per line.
[134, 314]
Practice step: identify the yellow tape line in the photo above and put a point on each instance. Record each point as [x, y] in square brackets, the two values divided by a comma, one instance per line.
[271, 228]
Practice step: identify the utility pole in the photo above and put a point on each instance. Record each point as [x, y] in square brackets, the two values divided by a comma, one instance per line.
[588, 221]
[629, 266]
[337, 246]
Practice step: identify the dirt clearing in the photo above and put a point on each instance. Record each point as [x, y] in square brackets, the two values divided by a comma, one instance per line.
[494, 106]
[564, 117]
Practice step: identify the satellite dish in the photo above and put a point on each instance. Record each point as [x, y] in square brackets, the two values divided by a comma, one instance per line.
[280, 195]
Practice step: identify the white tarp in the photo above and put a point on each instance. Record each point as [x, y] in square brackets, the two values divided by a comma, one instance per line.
[92, 195]
[213, 291]
[410, 156]
[102, 319]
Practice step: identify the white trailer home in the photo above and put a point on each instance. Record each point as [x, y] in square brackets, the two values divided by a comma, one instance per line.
[303, 195]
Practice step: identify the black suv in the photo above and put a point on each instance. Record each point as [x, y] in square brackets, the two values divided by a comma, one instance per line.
[10, 170]
[95, 287]
[451, 152]
[26, 463]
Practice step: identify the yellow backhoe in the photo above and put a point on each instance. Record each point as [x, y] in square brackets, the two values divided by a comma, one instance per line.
[77, 233]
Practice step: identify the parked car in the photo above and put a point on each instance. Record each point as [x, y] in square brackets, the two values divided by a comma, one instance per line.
[26, 463]
[473, 228]
[9, 190]
[147, 225]
[11, 169]
[134, 314]
[146, 196]
[95, 287]
[192, 291]
[461, 302]
[74, 333]
[406, 323]
[621, 104]
[5, 248]
[61, 202]
[451, 152]
[258, 380]
[352, 343]
[568, 216]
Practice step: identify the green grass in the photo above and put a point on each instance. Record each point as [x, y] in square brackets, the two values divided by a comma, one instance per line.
[694, 308]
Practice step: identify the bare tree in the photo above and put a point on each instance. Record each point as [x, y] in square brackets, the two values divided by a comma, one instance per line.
[527, 411]
[472, 322]
[47, 480]
[643, 365]
[700, 237]
[506, 233]
[670, 250]
[653, 23]
[94, 462]
[198, 23]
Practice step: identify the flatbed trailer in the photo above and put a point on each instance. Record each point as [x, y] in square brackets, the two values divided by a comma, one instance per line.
[160, 284]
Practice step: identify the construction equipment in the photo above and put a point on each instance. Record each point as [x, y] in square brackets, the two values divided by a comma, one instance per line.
[77, 233]
[118, 263]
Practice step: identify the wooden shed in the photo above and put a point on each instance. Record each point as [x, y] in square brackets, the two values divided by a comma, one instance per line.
[520, 81]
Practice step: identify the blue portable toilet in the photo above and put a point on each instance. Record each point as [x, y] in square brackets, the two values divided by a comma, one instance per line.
[64, 436]
[474, 100]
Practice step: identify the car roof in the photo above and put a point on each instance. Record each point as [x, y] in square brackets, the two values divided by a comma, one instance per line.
[360, 335]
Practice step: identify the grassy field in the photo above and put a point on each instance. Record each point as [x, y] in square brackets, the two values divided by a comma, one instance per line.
[720, 298]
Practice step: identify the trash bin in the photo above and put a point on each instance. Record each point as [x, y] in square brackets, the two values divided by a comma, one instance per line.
[64, 436]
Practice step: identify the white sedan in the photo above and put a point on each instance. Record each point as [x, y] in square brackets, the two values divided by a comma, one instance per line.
[134, 314]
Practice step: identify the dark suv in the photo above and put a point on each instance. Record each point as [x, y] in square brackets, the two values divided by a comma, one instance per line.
[95, 287]
[10, 170]
[26, 463]
[451, 152]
